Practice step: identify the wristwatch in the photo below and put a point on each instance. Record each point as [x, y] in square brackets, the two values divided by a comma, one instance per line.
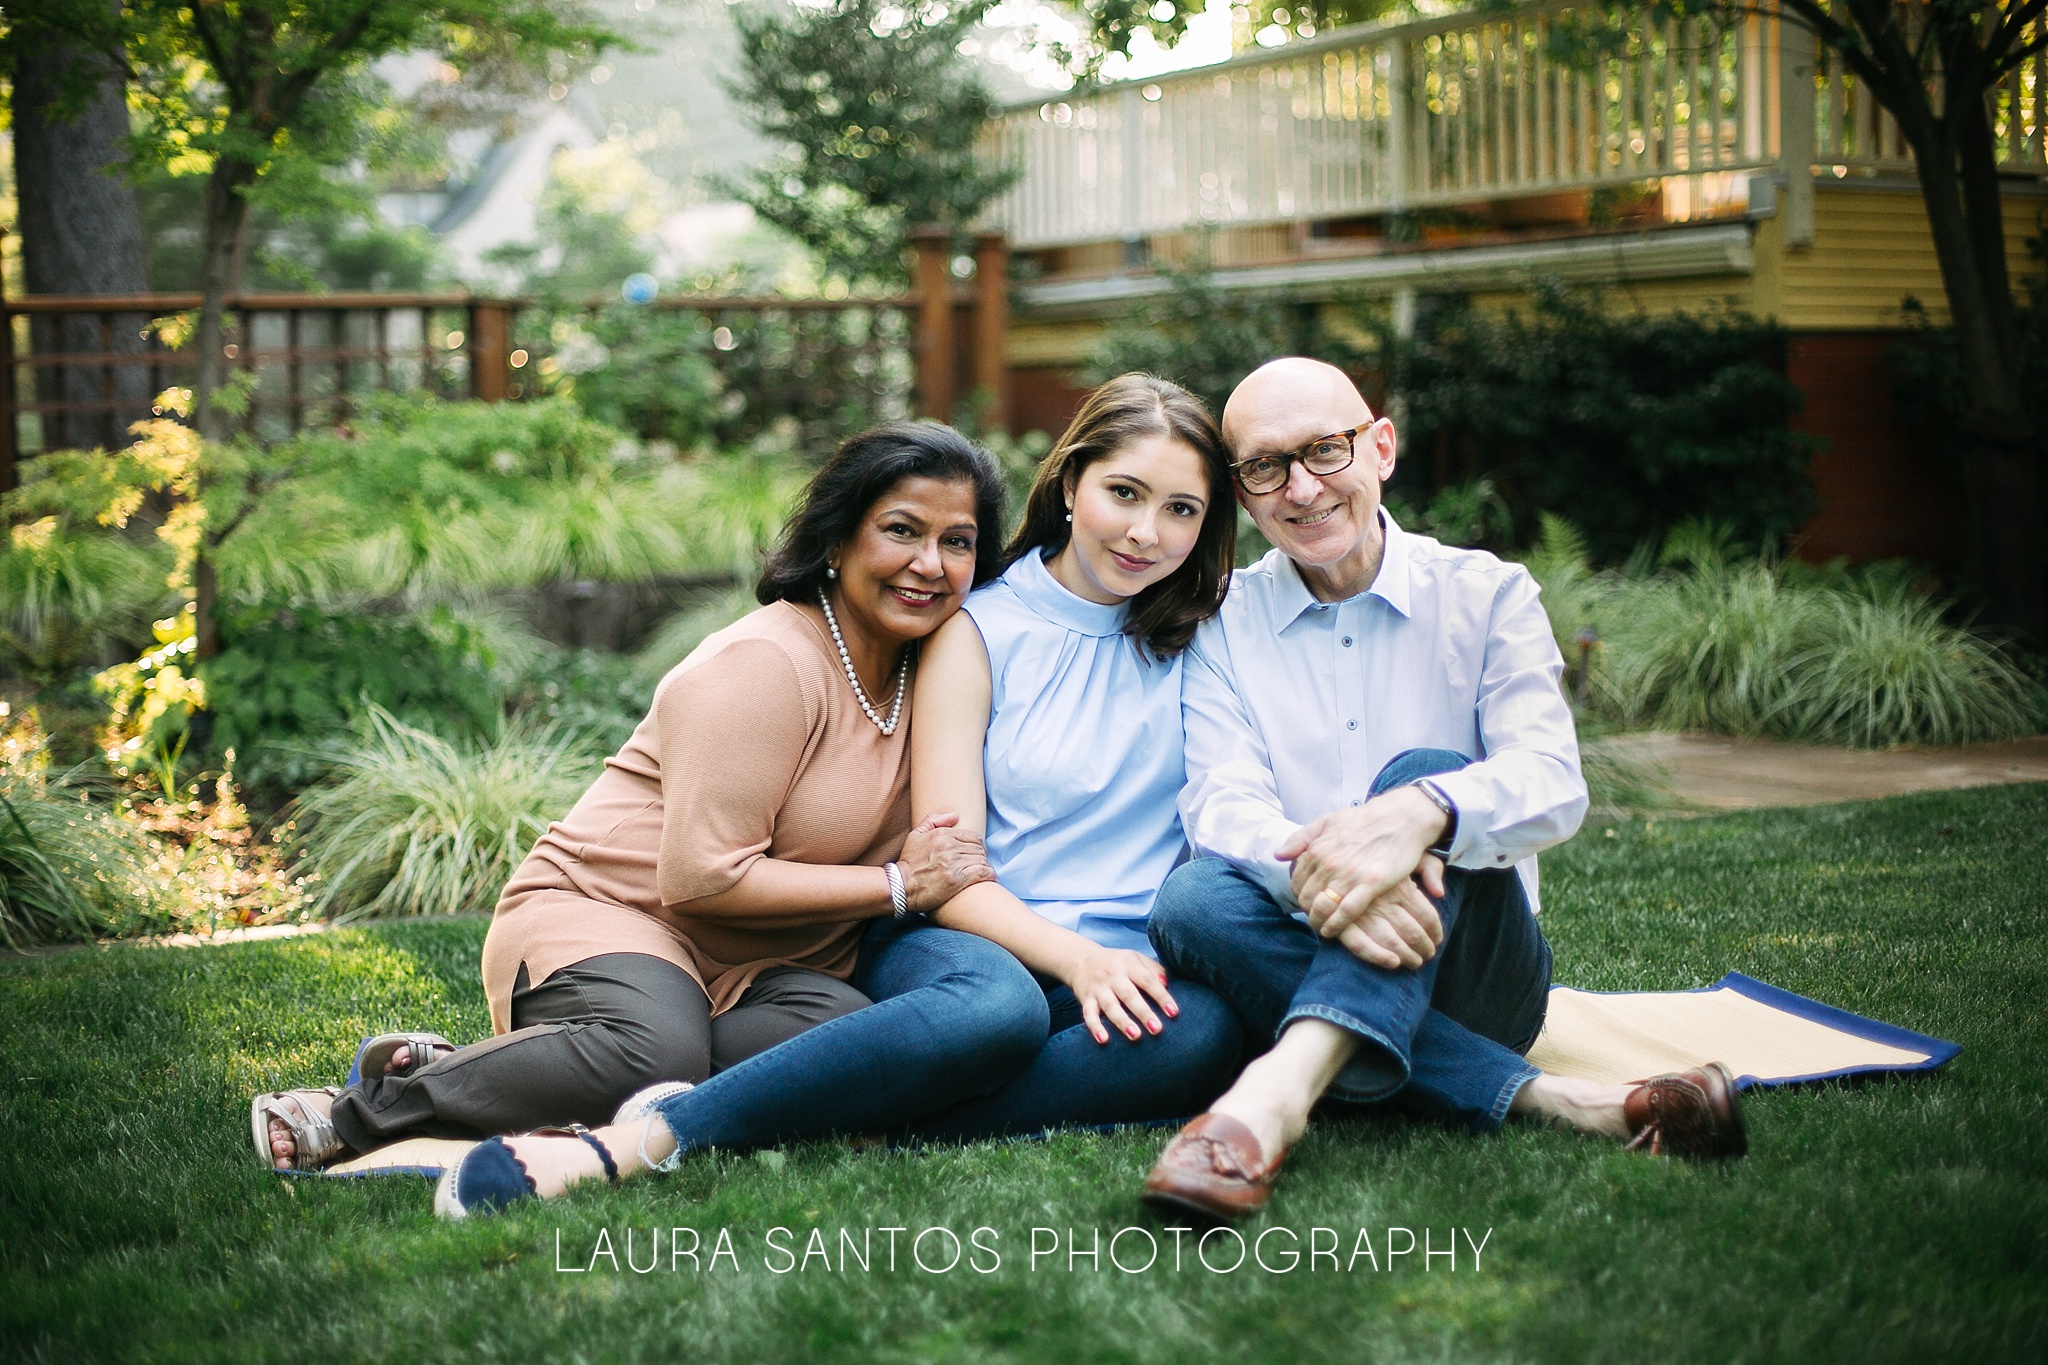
[1442, 847]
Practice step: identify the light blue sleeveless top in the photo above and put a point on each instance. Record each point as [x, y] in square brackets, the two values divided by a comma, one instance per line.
[1084, 759]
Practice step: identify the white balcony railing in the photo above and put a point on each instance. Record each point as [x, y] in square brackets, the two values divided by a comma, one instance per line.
[1449, 111]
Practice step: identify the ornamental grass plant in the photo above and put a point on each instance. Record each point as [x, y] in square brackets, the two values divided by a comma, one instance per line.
[70, 871]
[1716, 640]
[408, 822]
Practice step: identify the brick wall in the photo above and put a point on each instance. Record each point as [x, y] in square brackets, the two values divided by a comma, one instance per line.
[1882, 493]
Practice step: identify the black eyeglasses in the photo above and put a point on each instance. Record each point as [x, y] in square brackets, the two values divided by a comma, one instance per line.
[1324, 455]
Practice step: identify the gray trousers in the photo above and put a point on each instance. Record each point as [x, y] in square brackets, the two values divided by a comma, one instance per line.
[581, 1042]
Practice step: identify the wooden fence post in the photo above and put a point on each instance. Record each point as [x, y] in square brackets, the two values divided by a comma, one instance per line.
[8, 436]
[992, 326]
[490, 350]
[934, 322]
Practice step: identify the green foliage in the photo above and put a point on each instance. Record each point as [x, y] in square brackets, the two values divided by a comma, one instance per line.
[878, 115]
[639, 369]
[323, 236]
[1626, 424]
[1205, 339]
[70, 594]
[1746, 646]
[289, 677]
[1110, 25]
[408, 822]
[1466, 514]
[672, 642]
[593, 692]
[70, 871]
[422, 498]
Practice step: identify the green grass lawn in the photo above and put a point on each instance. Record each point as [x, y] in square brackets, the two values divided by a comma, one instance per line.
[1888, 1221]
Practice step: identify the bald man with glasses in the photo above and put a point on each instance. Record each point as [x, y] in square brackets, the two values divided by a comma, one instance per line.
[1378, 746]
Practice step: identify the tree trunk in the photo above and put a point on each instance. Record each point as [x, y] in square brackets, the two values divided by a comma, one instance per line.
[81, 233]
[220, 275]
[2001, 461]
[225, 218]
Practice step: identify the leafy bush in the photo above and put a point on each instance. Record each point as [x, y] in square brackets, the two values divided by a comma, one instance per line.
[408, 822]
[1626, 424]
[595, 692]
[672, 642]
[423, 498]
[70, 871]
[639, 369]
[288, 677]
[1746, 646]
[70, 595]
[1205, 339]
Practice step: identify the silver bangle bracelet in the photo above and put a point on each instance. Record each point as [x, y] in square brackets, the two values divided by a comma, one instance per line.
[899, 897]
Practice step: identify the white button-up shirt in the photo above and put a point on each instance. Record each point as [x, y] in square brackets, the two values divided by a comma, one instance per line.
[1293, 706]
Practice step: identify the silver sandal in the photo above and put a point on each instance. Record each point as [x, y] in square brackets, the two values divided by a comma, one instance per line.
[374, 1056]
[315, 1142]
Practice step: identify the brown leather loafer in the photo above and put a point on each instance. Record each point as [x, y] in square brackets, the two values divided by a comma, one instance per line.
[1214, 1170]
[1694, 1113]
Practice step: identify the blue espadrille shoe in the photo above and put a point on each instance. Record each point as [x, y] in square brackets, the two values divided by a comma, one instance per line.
[489, 1176]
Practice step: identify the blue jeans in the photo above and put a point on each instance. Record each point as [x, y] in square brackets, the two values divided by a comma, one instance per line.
[1445, 1038]
[954, 1018]
[1075, 1081]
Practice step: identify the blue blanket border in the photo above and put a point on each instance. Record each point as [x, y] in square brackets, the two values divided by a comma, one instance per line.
[1940, 1052]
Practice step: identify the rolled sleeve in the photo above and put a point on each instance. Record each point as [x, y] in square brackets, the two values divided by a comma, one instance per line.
[1231, 804]
[1526, 793]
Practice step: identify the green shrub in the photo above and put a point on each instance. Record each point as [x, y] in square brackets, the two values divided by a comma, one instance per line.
[1626, 424]
[1892, 671]
[407, 822]
[70, 871]
[1206, 339]
[595, 692]
[69, 595]
[289, 677]
[672, 642]
[643, 370]
[423, 498]
[1719, 641]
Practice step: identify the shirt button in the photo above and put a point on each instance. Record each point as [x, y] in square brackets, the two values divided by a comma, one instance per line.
[1347, 642]
[1351, 725]
[1358, 803]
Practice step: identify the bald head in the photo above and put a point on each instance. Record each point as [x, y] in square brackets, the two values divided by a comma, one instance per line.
[1286, 402]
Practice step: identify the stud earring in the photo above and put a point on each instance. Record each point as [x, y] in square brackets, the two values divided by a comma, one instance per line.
[831, 572]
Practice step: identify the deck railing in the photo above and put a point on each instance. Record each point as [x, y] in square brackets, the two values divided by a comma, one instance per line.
[1380, 119]
[76, 372]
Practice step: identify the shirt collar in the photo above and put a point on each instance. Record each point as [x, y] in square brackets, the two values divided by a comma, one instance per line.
[1292, 596]
[1037, 589]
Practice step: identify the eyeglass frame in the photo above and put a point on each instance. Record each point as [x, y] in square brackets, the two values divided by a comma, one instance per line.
[1301, 454]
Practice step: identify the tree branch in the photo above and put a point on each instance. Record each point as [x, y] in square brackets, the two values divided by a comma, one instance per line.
[216, 54]
[2009, 31]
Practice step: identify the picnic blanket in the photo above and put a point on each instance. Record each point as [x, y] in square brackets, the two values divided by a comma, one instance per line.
[1765, 1035]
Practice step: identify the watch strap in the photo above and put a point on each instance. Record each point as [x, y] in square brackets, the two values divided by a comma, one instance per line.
[1442, 847]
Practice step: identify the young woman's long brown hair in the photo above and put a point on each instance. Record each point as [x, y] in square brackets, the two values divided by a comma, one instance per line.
[1128, 408]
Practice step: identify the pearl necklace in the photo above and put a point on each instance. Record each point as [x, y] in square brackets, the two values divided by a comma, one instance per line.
[860, 694]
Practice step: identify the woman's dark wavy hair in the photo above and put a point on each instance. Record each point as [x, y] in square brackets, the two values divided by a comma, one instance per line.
[1125, 409]
[863, 469]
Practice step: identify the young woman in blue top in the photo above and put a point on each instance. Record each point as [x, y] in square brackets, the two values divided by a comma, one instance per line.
[1048, 718]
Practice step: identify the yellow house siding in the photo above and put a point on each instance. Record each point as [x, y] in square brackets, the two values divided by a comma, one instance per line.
[1871, 248]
